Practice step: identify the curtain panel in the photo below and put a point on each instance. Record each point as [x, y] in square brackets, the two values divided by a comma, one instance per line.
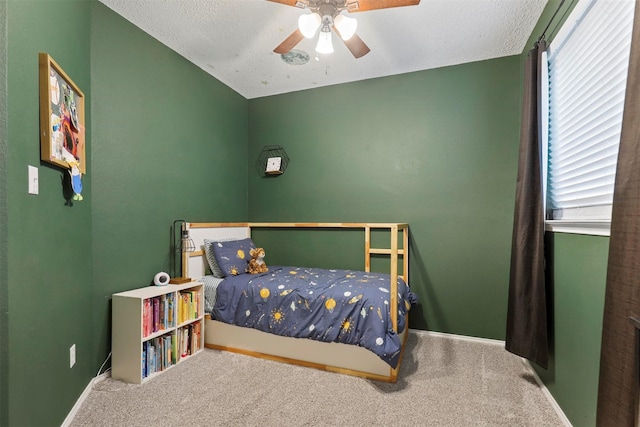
[617, 389]
[527, 305]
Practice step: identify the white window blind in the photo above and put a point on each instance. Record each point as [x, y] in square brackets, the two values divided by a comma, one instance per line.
[588, 62]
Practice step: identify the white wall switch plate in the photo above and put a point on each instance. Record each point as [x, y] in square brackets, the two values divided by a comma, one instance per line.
[72, 356]
[33, 180]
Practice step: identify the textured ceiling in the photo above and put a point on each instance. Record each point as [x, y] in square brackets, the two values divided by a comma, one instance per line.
[233, 40]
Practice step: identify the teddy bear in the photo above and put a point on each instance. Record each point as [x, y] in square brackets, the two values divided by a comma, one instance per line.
[256, 263]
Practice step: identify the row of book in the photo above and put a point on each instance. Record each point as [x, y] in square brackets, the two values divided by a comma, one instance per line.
[189, 306]
[189, 339]
[160, 353]
[158, 313]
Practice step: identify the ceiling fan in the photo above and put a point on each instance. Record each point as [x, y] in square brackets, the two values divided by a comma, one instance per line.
[326, 16]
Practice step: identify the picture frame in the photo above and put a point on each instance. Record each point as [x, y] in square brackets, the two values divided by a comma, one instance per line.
[62, 119]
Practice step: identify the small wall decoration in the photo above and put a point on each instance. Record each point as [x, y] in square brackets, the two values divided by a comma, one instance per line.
[62, 125]
[273, 160]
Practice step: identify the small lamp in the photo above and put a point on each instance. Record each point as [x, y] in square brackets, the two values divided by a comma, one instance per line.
[309, 24]
[346, 26]
[324, 41]
[182, 246]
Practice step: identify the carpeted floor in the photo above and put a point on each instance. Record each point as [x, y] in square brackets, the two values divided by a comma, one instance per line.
[443, 382]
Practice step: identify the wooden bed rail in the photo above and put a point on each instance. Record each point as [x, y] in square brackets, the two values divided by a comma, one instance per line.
[394, 251]
[401, 226]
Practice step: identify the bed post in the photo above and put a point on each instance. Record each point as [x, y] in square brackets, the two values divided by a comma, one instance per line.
[405, 254]
[393, 288]
[367, 248]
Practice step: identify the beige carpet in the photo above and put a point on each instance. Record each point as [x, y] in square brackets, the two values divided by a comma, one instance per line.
[443, 382]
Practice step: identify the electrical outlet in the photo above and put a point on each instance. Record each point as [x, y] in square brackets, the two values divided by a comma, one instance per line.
[72, 356]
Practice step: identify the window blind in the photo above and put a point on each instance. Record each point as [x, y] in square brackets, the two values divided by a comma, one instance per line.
[587, 73]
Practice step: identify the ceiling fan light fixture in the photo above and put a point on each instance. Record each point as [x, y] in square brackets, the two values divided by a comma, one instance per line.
[309, 24]
[324, 41]
[346, 26]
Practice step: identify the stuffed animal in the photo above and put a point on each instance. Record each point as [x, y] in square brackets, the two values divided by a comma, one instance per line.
[256, 264]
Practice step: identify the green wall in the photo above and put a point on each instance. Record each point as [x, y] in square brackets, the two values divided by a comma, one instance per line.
[577, 276]
[49, 242]
[165, 141]
[436, 149]
[169, 142]
[4, 287]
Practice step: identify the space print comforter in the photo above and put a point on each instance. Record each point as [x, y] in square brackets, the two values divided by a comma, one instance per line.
[343, 306]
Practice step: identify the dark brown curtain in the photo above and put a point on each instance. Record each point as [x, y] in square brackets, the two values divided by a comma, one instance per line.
[527, 309]
[616, 391]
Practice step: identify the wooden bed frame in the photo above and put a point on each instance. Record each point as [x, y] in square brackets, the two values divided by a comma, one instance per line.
[334, 357]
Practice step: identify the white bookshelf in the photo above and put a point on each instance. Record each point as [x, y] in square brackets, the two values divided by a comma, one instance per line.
[177, 336]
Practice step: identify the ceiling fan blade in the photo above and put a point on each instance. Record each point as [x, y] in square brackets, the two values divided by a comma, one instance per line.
[355, 44]
[357, 47]
[364, 5]
[297, 3]
[290, 42]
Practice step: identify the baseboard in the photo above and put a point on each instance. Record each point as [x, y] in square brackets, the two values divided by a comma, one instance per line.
[71, 415]
[457, 337]
[547, 393]
[488, 341]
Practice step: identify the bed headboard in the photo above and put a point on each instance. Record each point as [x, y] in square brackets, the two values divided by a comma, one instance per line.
[196, 262]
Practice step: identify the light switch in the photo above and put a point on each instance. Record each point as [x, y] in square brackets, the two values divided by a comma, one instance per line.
[33, 180]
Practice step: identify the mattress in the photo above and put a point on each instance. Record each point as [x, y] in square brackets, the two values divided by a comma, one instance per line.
[345, 306]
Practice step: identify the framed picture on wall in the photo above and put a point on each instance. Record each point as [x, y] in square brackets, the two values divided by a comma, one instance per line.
[62, 125]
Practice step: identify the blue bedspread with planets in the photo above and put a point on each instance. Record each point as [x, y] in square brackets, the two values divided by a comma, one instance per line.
[345, 306]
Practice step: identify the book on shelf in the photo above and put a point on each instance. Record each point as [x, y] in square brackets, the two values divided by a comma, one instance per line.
[192, 339]
[182, 310]
[195, 337]
[147, 317]
[184, 336]
[189, 306]
[156, 314]
[174, 348]
[144, 360]
[169, 310]
[150, 359]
